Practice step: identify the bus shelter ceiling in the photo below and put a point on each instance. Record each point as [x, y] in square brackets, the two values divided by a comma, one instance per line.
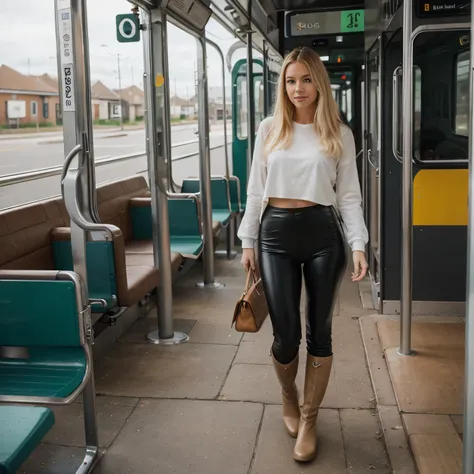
[311, 4]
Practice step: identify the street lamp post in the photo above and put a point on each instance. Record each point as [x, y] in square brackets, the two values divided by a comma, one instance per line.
[120, 91]
[120, 83]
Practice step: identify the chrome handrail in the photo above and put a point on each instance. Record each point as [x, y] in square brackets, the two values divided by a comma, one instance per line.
[25, 176]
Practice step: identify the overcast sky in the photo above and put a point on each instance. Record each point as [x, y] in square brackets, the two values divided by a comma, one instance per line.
[28, 44]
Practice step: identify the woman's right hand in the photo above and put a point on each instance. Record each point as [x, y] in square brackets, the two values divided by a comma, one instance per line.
[248, 259]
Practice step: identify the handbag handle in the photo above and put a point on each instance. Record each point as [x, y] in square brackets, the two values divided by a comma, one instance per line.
[247, 281]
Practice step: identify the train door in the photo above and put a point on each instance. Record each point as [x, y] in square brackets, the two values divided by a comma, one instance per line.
[372, 179]
[239, 118]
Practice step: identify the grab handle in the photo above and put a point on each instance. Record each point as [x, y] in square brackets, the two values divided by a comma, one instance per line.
[395, 109]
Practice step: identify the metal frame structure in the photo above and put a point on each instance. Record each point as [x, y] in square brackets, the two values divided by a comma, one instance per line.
[468, 439]
[371, 181]
[407, 183]
[205, 167]
[409, 37]
[75, 96]
[156, 147]
[78, 189]
[250, 104]
[231, 226]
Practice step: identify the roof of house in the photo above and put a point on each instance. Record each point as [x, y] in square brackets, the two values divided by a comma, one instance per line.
[10, 79]
[177, 101]
[133, 95]
[101, 92]
[51, 81]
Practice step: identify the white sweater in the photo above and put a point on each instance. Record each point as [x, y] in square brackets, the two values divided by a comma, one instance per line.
[303, 171]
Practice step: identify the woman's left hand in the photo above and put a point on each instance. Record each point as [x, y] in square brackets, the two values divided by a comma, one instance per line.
[360, 265]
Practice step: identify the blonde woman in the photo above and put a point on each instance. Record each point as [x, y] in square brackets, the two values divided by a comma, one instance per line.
[303, 177]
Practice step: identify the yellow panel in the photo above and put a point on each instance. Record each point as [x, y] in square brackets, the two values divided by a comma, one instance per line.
[440, 197]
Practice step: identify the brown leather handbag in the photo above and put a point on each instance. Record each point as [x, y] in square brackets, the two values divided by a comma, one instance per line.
[251, 310]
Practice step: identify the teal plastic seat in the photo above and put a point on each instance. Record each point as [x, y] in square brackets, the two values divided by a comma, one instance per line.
[191, 185]
[101, 273]
[234, 195]
[21, 430]
[221, 216]
[185, 231]
[48, 372]
[186, 246]
[46, 359]
[219, 197]
[42, 318]
[184, 227]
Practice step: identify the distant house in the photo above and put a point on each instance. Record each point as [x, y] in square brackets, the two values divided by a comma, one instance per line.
[133, 102]
[27, 100]
[216, 103]
[51, 81]
[182, 107]
[216, 109]
[105, 103]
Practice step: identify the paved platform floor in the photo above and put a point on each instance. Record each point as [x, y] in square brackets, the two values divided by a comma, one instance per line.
[427, 387]
[213, 405]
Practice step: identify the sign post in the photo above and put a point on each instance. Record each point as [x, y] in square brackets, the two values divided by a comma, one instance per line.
[128, 28]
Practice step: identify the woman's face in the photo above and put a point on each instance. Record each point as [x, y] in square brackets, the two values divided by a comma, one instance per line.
[300, 88]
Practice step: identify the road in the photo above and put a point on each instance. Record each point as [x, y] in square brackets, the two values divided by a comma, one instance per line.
[29, 153]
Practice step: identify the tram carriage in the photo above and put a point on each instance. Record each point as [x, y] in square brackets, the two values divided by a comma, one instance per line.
[78, 270]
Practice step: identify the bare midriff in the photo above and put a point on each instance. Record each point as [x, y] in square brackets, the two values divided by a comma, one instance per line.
[289, 203]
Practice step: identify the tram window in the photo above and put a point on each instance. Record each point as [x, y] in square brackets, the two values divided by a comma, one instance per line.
[242, 107]
[462, 94]
[374, 117]
[416, 110]
[349, 113]
[440, 121]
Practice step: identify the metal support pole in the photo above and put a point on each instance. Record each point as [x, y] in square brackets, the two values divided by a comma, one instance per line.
[88, 126]
[168, 162]
[154, 41]
[265, 80]
[365, 197]
[468, 441]
[120, 93]
[407, 183]
[75, 90]
[205, 168]
[231, 227]
[75, 94]
[250, 103]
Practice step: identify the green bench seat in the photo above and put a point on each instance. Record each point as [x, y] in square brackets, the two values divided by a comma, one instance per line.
[184, 224]
[186, 245]
[234, 190]
[48, 372]
[55, 362]
[45, 356]
[21, 430]
[219, 196]
[221, 216]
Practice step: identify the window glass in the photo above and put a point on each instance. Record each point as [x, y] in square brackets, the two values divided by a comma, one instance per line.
[241, 107]
[462, 94]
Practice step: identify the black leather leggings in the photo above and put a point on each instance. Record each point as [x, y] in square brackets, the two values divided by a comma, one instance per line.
[308, 240]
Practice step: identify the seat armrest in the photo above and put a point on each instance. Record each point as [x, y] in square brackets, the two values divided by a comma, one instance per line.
[112, 232]
[140, 202]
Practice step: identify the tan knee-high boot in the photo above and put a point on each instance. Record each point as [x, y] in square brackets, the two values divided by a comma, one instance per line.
[286, 374]
[318, 370]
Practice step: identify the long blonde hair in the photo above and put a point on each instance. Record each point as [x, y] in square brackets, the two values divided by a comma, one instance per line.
[326, 118]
